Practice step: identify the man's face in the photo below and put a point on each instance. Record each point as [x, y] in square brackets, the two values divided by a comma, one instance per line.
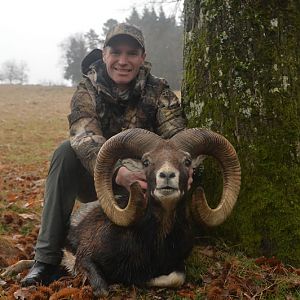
[123, 58]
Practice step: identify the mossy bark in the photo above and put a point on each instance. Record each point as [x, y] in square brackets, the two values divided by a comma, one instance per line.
[242, 79]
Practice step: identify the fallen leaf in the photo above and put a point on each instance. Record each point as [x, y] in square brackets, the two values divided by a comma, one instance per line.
[40, 182]
[24, 293]
[207, 279]
[16, 236]
[208, 251]
[2, 282]
[12, 197]
[28, 216]
[189, 294]
[19, 179]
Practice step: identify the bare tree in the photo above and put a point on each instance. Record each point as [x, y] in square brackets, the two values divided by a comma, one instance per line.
[14, 72]
[23, 73]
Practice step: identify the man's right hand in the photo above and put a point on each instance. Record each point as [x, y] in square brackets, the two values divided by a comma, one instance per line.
[126, 178]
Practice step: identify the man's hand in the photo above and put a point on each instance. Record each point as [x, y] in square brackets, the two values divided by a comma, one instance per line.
[126, 177]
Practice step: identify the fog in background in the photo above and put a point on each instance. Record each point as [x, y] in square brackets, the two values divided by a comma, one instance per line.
[32, 30]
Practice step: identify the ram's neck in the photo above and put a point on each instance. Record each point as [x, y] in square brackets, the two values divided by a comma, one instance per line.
[165, 220]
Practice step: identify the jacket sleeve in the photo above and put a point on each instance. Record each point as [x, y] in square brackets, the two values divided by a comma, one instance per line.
[169, 117]
[86, 136]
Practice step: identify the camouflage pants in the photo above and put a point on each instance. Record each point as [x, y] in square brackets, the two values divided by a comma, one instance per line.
[67, 179]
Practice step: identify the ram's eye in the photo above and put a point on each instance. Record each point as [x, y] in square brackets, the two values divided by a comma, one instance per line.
[187, 162]
[146, 162]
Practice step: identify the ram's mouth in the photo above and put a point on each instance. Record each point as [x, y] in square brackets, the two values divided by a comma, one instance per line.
[167, 189]
[167, 194]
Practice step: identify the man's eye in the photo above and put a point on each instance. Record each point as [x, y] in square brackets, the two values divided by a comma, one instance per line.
[146, 163]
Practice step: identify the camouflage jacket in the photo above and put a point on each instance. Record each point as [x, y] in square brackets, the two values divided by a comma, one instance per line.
[98, 111]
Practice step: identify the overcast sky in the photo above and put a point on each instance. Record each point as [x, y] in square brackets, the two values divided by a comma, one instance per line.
[31, 30]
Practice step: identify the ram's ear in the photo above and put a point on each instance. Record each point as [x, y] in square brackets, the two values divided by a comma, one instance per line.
[197, 161]
[134, 165]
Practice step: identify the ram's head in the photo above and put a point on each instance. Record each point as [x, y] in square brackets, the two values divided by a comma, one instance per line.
[167, 165]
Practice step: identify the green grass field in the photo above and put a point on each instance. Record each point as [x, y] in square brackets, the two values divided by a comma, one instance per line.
[33, 121]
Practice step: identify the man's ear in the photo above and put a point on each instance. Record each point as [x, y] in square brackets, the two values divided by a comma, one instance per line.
[104, 54]
[198, 161]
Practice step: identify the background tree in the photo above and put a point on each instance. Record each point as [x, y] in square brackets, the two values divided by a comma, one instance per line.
[110, 23]
[164, 42]
[163, 38]
[242, 78]
[9, 70]
[14, 72]
[23, 73]
[75, 48]
[92, 40]
[134, 18]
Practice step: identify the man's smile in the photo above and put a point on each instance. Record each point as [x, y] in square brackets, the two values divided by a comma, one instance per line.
[123, 62]
[122, 70]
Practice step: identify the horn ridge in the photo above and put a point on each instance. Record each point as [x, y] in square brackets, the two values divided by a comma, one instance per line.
[199, 141]
[131, 143]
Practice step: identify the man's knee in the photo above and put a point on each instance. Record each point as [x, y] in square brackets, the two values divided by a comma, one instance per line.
[65, 157]
[65, 150]
[69, 166]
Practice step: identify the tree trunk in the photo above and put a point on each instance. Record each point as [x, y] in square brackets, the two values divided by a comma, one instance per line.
[242, 79]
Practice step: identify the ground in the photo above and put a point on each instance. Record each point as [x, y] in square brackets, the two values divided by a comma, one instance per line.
[33, 122]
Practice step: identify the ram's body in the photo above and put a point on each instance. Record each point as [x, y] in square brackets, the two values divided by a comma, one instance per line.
[131, 255]
[144, 240]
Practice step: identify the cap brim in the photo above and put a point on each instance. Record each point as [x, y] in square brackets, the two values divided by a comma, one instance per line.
[132, 37]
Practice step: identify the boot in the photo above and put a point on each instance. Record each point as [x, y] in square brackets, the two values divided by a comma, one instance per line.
[40, 273]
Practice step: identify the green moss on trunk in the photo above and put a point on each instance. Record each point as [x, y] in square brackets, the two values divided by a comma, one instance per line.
[242, 79]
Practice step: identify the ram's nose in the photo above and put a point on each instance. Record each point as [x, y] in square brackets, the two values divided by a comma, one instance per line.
[167, 175]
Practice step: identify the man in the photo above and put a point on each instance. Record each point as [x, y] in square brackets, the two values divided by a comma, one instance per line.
[117, 92]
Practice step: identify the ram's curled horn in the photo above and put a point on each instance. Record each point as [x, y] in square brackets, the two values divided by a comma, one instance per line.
[201, 141]
[132, 143]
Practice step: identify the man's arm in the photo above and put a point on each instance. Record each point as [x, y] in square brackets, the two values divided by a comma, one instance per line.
[169, 121]
[85, 129]
[169, 118]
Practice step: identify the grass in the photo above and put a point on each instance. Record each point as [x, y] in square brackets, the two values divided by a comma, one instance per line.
[33, 122]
